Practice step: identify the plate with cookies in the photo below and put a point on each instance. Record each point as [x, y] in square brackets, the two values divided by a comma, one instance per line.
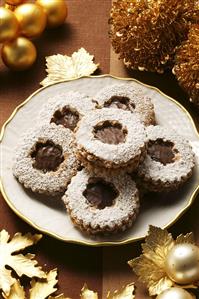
[98, 159]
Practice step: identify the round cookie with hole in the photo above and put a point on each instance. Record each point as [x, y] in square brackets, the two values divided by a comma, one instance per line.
[169, 161]
[66, 109]
[129, 98]
[100, 203]
[111, 139]
[45, 159]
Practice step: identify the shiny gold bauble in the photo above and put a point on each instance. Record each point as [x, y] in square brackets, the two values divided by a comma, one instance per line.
[14, 2]
[175, 293]
[56, 11]
[19, 54]
[8, 25]
[32, 19]
[182, 263]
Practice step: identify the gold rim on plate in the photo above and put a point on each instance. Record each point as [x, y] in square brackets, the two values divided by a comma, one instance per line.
[94, 244]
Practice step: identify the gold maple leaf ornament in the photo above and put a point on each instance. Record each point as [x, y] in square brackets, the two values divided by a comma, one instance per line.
[127, 292]
[40, 289]
[63, 67]
[165, 262]
[21, 264]
[88, 294]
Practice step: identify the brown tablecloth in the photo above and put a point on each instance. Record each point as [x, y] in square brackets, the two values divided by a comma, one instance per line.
[102, 268]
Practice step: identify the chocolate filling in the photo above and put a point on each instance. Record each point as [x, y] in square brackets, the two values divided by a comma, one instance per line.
[47, 156]
[100, 194]
[120, 102]
[66, 117]
[162, 151]
[110, 133]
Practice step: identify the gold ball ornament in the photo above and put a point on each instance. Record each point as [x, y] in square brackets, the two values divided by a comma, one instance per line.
[56, 11]
[32, 19]
[182, 263]
[19, 54]
[175, 293]
[8, 25]
[14, 2]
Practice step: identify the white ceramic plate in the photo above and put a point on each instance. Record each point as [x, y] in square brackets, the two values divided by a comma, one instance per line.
[48, 214]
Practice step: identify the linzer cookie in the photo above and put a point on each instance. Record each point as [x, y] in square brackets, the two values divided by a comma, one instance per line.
[127, 97]
[66, 109]
[169, 161]
[110, 138]
[100, 203]
[45, 160]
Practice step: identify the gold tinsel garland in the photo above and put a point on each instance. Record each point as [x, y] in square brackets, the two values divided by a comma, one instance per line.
[146, 33]
[186, 67]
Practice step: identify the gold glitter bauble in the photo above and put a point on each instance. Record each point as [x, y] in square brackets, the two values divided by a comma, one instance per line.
[32, 19]
[56, 11]
[186, 66]
[14, 2]
[175, 293]
[182, 263]
[146, 33]
[19, 54]
[8, 25]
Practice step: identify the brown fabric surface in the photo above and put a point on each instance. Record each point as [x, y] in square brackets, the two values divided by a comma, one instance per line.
[106, 268]
[86, 27]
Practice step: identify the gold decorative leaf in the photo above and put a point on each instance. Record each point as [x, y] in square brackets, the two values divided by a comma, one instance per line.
[41, 289]
[6, 280]
[188, 238]
[20, 242]
[23, 265]
[151, 274]
[88, 294]
[59, 297]
[127, 292]
[63, 67]
[160, 286]
[16, 291]
[150, 266]
[157, 245]
[146, 270]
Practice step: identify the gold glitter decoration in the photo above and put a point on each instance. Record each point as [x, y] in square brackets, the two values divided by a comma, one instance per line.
[145, 33]
[152, 265]
[21, 264]
[186, 67]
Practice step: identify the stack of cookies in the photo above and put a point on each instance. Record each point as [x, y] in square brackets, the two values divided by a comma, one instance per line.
[96, 151]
